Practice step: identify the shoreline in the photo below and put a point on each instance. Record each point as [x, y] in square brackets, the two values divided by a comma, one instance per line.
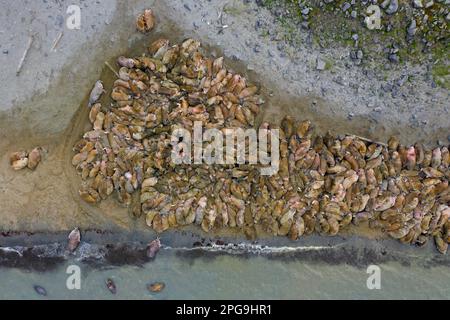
[43, 252]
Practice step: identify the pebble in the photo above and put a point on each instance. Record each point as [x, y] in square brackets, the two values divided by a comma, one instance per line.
[429, 4]
[393, 7]
[387, 87]
[402, 80]
[354, 14]
[417, 4]
[359, 54]
[394, 91]
[412, 28]
[394, 58]
[355, 37]
[350, 115]
[5, 51]
[345, 6]
[320, 64]
[305, 11]
[340, 80]
[354, 85]
[59, 20]
[356, 55]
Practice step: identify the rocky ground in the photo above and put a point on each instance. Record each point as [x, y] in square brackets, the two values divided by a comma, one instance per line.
[409, 31]
[403, 68]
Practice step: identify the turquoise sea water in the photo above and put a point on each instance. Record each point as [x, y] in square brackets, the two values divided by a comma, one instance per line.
[231, 277]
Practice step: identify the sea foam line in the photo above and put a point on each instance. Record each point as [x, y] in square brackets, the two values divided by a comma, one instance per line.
[9, 249]
[244, 248]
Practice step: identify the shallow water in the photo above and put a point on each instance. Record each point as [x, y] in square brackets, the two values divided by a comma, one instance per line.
[232, 277]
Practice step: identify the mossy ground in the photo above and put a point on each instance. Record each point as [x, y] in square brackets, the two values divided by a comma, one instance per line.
[329, 26]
